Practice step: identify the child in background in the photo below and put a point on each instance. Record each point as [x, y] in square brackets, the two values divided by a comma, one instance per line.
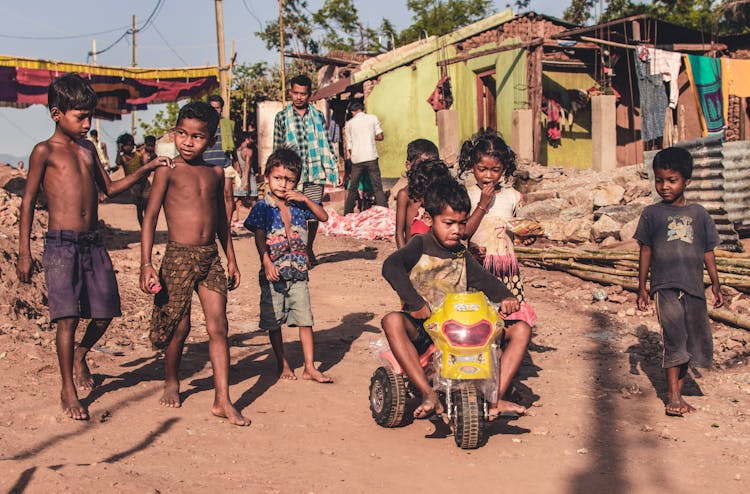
[192, 195]
[408, 203]
[677, 239]
[494, 201]
[80, 278]
[279, 222]
[130, 159]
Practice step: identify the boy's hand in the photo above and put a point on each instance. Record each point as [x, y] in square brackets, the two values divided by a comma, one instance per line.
[148, 279]
[718, 296]
[272, 272]
[510, 305]
[159, 161]
[23, 269]
[296, 196]
[423, 313]
[642, 300]
[233, 280]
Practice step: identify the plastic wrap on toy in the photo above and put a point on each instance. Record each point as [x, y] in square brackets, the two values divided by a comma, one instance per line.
[524, 227]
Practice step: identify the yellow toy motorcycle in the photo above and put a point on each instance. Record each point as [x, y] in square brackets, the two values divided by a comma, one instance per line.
[462, 364]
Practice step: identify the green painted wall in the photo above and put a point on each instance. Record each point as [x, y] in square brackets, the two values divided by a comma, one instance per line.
[510, 74]
[575, 146]
[399, 100]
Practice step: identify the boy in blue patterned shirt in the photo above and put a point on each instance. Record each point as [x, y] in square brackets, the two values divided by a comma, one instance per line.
[280, 226]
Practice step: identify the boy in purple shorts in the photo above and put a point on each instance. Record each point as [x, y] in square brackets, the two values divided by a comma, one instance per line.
[80, 279]
[676, 240]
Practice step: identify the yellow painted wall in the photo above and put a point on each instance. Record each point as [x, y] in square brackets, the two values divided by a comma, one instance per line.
[575, 146]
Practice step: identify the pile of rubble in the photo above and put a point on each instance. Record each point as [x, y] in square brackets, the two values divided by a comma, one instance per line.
[584, 206]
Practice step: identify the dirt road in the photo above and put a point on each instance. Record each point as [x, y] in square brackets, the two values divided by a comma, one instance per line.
[591, 378]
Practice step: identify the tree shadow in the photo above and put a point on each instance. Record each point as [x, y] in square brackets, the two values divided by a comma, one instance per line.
[606, 445]
[337, 343]
[368, 253]
[23, 481]
[119, 239]
[647, 354]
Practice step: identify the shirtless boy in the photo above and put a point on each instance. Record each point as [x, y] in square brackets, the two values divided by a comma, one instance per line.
[80, 279]
[192, 194]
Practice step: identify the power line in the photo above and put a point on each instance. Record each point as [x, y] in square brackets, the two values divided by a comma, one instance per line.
[71, 36]
[129, 32]
[252, 14]
[169, 46]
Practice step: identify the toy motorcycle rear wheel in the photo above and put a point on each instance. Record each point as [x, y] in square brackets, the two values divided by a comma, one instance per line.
[387, 397]
[468, 417]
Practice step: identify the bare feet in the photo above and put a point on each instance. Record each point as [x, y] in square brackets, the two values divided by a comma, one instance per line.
[72, 407]
[505, 407]
[171, 396]
[690, 408]
[286, 373]
[314, 374]
[430, 404]
[677, 407]
[82, 378]
[227, 411]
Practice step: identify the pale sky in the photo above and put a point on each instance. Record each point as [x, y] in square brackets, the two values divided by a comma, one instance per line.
[183, 32]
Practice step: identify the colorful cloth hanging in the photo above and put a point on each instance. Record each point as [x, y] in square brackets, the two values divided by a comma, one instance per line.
[735, 80]
[24, 82]
[653, 98]
[705, 77]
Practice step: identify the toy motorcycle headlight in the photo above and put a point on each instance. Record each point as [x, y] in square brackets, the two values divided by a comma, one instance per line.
[461, 335]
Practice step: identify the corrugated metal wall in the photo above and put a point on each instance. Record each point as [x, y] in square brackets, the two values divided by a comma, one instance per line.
[711, 187]
[737, 183]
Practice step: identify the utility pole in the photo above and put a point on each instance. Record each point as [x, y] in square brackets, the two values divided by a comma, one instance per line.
[222, 68]
[281, 49]
[135, 63]
[93, 55]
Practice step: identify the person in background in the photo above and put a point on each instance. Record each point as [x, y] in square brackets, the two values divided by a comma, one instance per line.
[360, 134]
[223, 153]
[101, 151]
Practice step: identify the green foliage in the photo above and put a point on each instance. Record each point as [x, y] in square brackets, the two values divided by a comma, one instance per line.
[162, 121]
[297, 29]
[339, 19]
[253, 83]
[439, 17]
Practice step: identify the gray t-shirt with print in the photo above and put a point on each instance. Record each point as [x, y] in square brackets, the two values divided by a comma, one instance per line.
[679, 236]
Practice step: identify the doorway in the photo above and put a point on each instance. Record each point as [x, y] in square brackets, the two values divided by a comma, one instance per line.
[486, 98]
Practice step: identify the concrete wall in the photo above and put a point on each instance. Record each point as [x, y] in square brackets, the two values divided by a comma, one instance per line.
[575, 146]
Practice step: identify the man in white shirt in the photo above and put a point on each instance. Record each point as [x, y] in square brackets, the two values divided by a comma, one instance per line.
[360, 134]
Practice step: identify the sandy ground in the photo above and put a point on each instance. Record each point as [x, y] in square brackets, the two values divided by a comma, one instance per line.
[591, 378]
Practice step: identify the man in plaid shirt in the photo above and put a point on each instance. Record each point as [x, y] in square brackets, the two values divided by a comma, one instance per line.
[302, 127]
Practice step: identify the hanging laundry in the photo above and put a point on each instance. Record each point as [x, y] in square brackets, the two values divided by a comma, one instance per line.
[653, 97]
[554, 116]
[705, 77]
[735, 80]
[667, 63]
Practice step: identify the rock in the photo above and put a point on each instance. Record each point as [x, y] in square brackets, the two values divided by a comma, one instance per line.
[618, 299]
[577, 196]
[577, 230]
[605, 227]
[553, 230]
[541, 195]
[628, 229]
[574, 213]
[609, 241]
[642, 188]
[543, 210]
[622, 213]
[608, 195]
[582, 451]
[630, 312]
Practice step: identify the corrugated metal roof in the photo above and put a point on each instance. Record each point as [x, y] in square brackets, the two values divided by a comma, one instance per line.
[737, 181]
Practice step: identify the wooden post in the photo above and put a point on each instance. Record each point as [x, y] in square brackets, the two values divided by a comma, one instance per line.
[281, 49]
[93, 56]
[135, 63]
[222, 64]
[535, 99]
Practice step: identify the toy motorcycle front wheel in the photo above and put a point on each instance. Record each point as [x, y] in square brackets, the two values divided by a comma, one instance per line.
[468, 417]
[387, 397]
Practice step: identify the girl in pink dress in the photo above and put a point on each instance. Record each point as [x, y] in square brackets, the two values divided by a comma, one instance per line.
[494, 202]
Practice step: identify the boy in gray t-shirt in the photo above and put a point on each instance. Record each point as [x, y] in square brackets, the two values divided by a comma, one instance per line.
[676, 240]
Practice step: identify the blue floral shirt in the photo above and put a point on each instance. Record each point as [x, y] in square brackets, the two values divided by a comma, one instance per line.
[288, 254]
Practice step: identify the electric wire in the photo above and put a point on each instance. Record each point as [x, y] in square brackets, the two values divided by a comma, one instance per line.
[70, 36]
[252, 14]
[168, 45]
[129, 32]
